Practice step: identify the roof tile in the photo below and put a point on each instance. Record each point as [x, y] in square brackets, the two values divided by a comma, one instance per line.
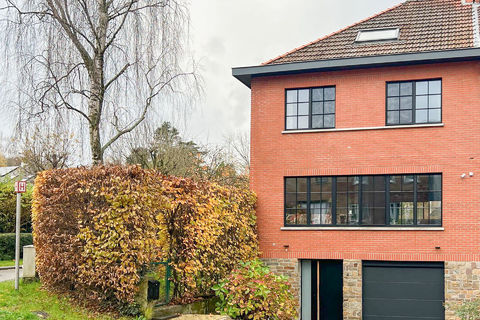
[425, 25]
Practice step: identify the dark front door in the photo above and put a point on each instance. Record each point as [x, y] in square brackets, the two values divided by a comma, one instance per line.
[327, 295]
[403, 290]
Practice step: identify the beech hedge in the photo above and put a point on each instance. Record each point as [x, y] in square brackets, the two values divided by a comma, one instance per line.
[98, 230]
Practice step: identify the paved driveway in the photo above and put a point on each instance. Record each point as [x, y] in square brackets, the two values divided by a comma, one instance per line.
[9, 274]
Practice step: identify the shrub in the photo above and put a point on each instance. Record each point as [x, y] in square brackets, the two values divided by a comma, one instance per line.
[98, 230]
[7, 244]
[253, 292]
[468, 310]
[8, 207]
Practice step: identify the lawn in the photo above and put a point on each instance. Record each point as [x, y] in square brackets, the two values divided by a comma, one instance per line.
[20, 305]
[9, 263]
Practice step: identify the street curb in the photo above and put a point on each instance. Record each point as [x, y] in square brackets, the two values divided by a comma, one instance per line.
[9, 268]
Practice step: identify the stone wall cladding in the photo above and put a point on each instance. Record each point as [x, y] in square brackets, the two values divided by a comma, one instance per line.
[462, 282]
[352, 289]
[289, 268]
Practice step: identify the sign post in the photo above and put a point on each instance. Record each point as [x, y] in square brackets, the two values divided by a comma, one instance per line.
[20, 187]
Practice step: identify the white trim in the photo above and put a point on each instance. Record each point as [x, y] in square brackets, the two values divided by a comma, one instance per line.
[362, 228]
[366, 128]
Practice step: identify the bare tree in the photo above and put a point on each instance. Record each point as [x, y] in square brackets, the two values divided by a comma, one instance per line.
[46, 150]
[102, 63]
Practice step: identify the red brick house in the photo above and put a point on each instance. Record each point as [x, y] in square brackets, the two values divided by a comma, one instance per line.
[365, 150]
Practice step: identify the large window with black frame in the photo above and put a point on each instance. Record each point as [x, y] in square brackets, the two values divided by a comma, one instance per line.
[310, 108]
[367, 200]
[414, 102]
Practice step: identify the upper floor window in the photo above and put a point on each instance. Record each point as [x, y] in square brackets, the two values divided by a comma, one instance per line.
[414, 102]
[376, 200]
[312, 108]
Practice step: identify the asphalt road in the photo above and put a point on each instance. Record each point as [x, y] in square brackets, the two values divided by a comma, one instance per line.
[6, 275]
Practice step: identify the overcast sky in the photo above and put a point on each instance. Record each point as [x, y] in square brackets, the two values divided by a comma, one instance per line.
[234, 33]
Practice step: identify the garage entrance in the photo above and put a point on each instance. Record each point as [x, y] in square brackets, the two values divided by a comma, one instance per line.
[403, 290]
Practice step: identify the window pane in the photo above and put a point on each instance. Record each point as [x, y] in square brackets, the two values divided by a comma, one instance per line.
[434, 115]
[329, 121]
[393, 117]
[291, 184]
[291, 122]
[373, 216]
[301, 199]
[405, 102]
[421, 87]
[303, 95]
[329, 94]
[291, 96]
[405, 88]
[327, 184]
[317, 107]
[406, 116]
[315, 197]
[301, 184]
[303, 122]
[430, 182]
[317, 94]
[353, 214]
[421, 102]
[302, 216]
[435, 87]
[321, 213]
[291, 216]
[290, 200]
[393, 103]
[329, 107]
[395, 183]
[407, 183]
[341, 200]
[401, 213]
[317, 121]
[315, 184]
[435, 101]
[393, 89]
[421, 116]
[291, 109]
[341, 215]
[303, 109]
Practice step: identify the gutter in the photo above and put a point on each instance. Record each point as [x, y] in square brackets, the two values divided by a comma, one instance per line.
[245, 74]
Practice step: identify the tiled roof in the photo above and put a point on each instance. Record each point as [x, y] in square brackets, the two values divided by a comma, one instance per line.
[425, 25]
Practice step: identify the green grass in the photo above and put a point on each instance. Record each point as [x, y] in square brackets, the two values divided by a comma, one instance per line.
[9, 263]
[18, 305]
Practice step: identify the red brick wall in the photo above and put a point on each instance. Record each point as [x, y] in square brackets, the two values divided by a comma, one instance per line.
[360, 102]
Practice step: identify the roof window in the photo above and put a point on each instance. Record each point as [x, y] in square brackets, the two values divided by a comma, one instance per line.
[377, 35]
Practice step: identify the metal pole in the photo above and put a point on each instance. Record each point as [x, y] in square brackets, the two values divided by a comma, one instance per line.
[17, 240]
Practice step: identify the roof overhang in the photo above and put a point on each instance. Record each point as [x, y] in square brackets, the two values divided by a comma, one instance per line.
[245, 74]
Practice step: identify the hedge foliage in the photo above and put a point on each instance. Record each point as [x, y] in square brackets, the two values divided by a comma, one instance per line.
[7, 244]
[254, 292]
[8, 207]
[98, 230]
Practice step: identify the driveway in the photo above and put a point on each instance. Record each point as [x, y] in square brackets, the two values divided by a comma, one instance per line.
[8, 274]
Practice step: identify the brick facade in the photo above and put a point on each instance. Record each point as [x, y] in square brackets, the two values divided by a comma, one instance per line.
[360, 102]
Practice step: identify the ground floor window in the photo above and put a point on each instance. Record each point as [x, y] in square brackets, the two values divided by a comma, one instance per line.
[367, 200]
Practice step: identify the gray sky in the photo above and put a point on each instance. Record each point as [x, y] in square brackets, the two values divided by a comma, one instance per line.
[233, 33]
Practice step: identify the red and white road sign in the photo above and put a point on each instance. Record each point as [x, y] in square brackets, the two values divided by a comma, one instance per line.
[20, 186]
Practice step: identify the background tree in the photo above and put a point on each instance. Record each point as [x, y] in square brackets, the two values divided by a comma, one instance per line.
[168, 153]
[43, 150]
[103, 65]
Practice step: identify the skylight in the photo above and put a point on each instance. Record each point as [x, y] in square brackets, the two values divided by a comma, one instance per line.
[377, 35]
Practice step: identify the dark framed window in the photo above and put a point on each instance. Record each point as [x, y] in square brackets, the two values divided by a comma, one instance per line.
[414, 102]
[310, 108]
[368, 200]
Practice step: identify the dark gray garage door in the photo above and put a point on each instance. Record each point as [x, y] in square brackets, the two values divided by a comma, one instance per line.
[403, 290]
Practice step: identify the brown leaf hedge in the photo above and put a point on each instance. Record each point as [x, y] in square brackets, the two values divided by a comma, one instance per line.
[98, 230]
